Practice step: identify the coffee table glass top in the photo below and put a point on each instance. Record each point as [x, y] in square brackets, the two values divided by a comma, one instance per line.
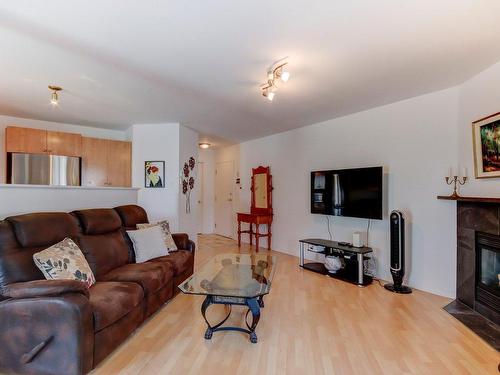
[233, 275]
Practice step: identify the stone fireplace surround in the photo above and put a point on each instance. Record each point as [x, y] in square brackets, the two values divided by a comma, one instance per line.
[474, 215]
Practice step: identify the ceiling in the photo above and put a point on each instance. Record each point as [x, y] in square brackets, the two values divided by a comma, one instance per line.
[200, 63]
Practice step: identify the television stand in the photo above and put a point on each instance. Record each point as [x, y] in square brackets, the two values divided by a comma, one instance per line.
[353, 260]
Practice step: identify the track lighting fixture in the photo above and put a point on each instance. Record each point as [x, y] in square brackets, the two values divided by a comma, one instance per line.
[54, 98]
[277, 73]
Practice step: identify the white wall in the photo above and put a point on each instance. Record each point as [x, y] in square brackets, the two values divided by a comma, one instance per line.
[174, 144]
[157, 142]
[207, 159]
[479, 97]
[188, 147]
[15, 200]
[415, 140]
[56, 126]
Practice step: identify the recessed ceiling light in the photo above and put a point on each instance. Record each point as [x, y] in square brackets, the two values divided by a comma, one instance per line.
[204, 145]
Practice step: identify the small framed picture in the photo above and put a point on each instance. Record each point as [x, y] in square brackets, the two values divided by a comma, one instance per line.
[154, 174]
[486, 138]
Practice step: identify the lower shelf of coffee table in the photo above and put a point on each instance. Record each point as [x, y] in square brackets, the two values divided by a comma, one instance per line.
[348, 274]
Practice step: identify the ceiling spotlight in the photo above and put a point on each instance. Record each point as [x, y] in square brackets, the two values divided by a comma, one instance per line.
[54, 98]
[285, 75]
[204, 145]
[268, 93]
[277, 72]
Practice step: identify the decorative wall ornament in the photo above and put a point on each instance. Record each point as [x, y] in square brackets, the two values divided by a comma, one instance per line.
[188, 181]
[154, 174]
[486, 138]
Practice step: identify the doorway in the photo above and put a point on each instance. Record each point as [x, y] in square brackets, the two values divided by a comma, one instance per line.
[224, 174]
[201, 196]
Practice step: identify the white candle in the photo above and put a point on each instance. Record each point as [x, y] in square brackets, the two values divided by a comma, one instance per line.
[464, 172]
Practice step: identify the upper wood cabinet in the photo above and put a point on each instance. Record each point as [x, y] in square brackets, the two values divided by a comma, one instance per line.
[119, 163]
[67, 144]
[106, 162]
[94, 167]
[37, 141]
[25, 140]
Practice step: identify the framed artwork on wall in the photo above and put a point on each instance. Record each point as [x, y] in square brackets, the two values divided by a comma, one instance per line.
[154, 174]
[486, 138]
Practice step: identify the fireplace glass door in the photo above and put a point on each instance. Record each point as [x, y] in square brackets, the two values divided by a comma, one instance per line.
[489, 269]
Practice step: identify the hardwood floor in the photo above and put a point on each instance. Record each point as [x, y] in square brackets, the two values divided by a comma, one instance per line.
[311, 325]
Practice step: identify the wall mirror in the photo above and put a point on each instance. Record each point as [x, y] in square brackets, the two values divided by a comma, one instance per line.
[261, 190]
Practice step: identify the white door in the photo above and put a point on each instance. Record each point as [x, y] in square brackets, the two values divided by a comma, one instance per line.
[224, 173]
[201, 192]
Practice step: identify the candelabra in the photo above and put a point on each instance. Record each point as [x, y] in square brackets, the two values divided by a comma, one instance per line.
[456, 181]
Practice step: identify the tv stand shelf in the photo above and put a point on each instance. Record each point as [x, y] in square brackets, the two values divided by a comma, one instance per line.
[353, 257]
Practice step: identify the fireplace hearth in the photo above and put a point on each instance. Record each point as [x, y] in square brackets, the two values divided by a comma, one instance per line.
[478, 267]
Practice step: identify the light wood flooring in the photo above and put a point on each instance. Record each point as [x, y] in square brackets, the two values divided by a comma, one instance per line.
[311, 324]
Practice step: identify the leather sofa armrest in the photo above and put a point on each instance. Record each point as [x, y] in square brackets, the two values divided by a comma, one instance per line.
[183, 242]
[47, 335]
[44, 288]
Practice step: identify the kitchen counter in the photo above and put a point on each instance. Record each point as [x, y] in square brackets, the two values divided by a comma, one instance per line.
[26, 186]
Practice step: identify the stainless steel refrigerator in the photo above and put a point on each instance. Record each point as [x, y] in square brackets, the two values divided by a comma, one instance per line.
[36, 169]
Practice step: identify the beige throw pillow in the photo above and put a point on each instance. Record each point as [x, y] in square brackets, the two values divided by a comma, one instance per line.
[167, 235]
[64, 261]
[148, 243]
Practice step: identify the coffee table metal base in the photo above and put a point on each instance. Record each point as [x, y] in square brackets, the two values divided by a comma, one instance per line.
[253, 304]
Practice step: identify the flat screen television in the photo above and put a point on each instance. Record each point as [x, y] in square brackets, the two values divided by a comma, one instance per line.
[348, 192]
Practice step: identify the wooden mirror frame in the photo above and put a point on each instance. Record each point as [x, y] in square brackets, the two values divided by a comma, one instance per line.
[259, 210]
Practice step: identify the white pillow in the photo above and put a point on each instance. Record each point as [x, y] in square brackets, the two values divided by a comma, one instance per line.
[148, 243]
[167, 235]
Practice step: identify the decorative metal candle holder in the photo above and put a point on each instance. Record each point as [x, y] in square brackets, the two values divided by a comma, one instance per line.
[456, 181]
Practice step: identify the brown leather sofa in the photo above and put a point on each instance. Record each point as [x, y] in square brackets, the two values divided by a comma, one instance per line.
[60, 326]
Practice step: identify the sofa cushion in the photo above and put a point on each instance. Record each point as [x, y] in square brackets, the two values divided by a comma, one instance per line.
[111, 301]
[98, 220]
[44, 228]
[104, 252]
[148, 243]
[167, 235]
[64, 261]
[16, 263]
[151, 276]
[131, 215]
[180, 260]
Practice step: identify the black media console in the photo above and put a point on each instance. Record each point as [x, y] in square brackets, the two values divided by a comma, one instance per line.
[353, 260]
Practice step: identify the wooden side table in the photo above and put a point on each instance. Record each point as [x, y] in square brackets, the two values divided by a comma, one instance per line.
[257, 219]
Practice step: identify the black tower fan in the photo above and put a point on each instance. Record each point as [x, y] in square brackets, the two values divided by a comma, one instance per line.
[397, 254]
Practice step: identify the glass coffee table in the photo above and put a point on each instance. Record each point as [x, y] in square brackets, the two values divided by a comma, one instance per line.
[233, 279]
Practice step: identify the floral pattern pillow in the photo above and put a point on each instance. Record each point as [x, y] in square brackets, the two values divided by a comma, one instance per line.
[167, 235]
[64, 261]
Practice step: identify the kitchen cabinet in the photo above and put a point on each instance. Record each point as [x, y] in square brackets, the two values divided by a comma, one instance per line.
[106, 162]
[25, 140]
[119, 163]
[38, 141]
[67, 144]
